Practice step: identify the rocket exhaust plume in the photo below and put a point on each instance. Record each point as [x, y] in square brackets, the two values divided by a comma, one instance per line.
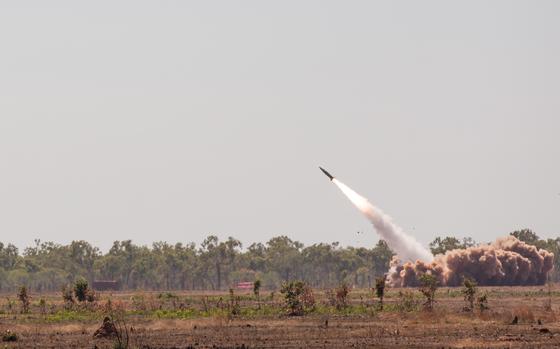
[507, 261]
[404, 245]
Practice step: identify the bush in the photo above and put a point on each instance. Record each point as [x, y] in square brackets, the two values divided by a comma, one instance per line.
[81, 289]
[380, 289]
[257, 288]
[167, 296]
[428, 287]
[406, 302]
[23, 297]
[298, 298]
[234, 307]
[91, 296]
[67, 294]
[43, 306]
[482, 302]
[469, 291]
[338, 297]
[9, 336]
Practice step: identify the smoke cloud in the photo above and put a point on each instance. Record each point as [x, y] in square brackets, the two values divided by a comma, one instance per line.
[507, 261]
[404, 245]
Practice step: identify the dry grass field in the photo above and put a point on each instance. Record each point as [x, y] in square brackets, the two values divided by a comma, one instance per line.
[517, 317]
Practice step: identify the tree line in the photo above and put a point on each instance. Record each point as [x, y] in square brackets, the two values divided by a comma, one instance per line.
[214, 265]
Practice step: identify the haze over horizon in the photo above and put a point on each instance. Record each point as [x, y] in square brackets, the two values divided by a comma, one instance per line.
[172, 121]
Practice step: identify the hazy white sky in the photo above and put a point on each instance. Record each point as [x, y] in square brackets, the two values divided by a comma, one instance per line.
[170, 120]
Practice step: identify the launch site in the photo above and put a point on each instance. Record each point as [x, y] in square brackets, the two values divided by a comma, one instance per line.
[279, 174]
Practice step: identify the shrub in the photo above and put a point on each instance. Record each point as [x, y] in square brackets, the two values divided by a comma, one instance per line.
[338, 297]
[122, 334]
[469, 291]
[548, 301]
[331, 297]
[257, 288]
[380, 289]
[23, 297]
[257, 291]
[91, 296]
[167, 295]
[234, 307]
[482, 302]
[10, 305]
[67, 294]
[428, 287]
[406, 302]
[298, 298]
[43, 306]
[81, 289]
[9, 336]
[342, 296]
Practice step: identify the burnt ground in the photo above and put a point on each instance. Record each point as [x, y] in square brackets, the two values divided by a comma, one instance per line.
[306, 332]
[447, 326]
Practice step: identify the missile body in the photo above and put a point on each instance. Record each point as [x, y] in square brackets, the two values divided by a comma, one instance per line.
[326, 173]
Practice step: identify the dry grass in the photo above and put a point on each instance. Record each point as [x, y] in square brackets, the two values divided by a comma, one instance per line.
[446, 326]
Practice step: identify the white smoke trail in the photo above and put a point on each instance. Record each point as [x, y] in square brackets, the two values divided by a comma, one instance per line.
[404, 245]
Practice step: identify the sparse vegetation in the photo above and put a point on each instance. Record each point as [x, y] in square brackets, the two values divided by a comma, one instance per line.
[469, 291]
[380, 290]
[548, 301]
[24, 299]
[338, 297]
[406, 302]
[122, 332]
[342, 296]
[9, 336]
[67, 296]
[43, 306]
[428, 288]
[257, 288]
[81, 289]
[482, 302]
[298, 298]
[234, 307]
[132, 310]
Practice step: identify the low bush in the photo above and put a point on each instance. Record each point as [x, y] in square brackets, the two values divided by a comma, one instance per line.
[81, 289]
[428, 287]
[9, 336]
[380, 289]
[298, 298]
[24, 299]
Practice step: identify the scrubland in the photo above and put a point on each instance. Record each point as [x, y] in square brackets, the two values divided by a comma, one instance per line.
[516, 317]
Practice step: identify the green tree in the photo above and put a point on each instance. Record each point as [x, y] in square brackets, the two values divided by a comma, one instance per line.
[284, 256]
[441, 245]
[526, 235]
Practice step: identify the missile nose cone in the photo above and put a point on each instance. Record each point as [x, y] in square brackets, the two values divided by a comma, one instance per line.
[326, 173]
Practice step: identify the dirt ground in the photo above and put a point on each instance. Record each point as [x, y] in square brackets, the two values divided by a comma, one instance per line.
[306, 332]
[447, 326]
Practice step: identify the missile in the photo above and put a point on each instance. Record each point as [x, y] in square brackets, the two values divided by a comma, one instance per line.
[326, 173]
